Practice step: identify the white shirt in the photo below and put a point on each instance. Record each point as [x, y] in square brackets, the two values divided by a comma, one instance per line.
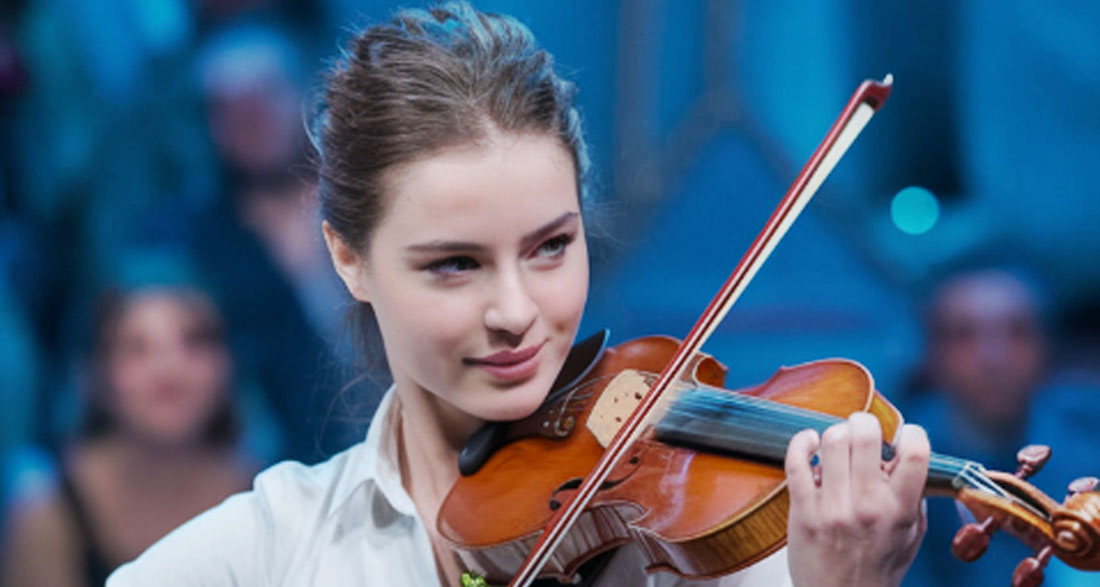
[347, 521]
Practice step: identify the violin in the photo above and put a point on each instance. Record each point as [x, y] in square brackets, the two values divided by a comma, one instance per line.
[703, 491]
[641, 443]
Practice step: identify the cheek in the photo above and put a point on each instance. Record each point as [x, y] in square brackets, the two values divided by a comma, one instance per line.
[564, 311]
[959, 359]
[563, 297]
[1026, 357]
[132, 398]
[421, 327]
[954, 370]
[209, 374]
[127, 379]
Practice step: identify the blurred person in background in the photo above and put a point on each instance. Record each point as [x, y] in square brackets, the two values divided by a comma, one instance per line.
[987, 354]
[103, 115]
[984, 391]
[157, 445]
[252, 82]
[259, 239]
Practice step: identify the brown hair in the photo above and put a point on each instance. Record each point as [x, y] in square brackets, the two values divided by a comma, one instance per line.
[428, 80]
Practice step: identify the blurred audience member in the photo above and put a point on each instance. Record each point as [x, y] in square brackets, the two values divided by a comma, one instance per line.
[981, 395]
[987, 353]
[18, 378]
[157, 445]
[252, 81]
[260, 241]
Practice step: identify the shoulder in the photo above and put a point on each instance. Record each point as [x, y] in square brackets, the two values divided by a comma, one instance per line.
[291, 493]
[41, 513]
[250, 538]
[38, 529]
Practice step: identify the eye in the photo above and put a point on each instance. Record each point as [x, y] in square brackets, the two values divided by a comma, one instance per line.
[133, 347]
[452, 265]
[199, 338]
[555, 247]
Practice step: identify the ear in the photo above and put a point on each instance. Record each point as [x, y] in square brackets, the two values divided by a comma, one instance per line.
[349, 265]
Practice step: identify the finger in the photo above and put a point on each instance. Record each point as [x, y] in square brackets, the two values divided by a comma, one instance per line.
[911, 472]
[836, 464]
[800, 477]
[866, 433]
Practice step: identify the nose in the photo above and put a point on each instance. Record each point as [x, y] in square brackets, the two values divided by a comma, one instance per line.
[994, 347]
[511, 310]
[167, 358]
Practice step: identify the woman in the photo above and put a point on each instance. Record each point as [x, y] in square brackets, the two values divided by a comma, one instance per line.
[452, 170]
[157, 446]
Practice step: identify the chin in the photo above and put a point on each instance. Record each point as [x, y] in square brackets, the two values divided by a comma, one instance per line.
[166, 438]
[515, 403]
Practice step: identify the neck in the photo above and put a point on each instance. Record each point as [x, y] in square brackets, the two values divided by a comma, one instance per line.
[141, 463]
[431, 435]
[994, 436]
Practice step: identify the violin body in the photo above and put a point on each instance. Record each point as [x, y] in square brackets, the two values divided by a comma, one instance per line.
[695, 513]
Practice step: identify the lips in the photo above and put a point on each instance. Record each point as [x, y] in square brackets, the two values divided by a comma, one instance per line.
[510, 365]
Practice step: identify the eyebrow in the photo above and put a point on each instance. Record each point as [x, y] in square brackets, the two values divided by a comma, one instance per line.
[528, 241]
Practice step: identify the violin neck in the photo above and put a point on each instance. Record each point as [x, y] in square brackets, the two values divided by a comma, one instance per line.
[743, 425]
[948, 474]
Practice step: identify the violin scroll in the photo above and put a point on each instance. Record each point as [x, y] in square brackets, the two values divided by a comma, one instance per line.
[1076, 525]
[1069, 531]
[972, 539]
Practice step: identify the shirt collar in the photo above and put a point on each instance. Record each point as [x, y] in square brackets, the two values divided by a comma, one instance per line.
[374, 463]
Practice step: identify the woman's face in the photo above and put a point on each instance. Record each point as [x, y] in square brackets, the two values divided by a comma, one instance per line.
[166, 371]
[478, 274]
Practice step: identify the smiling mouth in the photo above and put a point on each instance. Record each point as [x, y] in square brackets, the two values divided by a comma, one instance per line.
[509, 365]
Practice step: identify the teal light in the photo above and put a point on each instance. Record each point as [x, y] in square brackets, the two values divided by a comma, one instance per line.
[914, 210]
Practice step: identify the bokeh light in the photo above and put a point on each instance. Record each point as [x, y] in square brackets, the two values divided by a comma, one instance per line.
[915, 210]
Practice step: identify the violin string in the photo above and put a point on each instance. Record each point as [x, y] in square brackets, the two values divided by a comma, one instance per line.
[772, 424]
[982, 481]
[739, 423]
[970, 472]
[722, 402]
[702, 401]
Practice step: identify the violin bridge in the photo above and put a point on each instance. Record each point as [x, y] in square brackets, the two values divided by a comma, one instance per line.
[618, 401]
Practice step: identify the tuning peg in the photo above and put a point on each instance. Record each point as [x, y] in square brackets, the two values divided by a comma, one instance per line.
[972, 540]
[1029, 573]
[1032, 458]
[1083, 484]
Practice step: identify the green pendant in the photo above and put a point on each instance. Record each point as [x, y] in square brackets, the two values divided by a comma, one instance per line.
[472, 579]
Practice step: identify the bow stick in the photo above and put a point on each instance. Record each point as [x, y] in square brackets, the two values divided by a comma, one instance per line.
[863, 104]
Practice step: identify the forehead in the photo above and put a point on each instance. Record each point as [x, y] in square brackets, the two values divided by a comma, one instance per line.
[159, 309]
[152, 303]
[504, 181]
[988, 297]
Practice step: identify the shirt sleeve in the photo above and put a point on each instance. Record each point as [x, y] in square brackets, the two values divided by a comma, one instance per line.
[772, 571]
[223, 546]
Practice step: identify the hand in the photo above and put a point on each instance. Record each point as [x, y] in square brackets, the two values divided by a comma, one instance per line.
[858, 524]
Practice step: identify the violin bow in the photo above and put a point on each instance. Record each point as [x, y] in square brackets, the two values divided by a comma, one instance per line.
[863, 104]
